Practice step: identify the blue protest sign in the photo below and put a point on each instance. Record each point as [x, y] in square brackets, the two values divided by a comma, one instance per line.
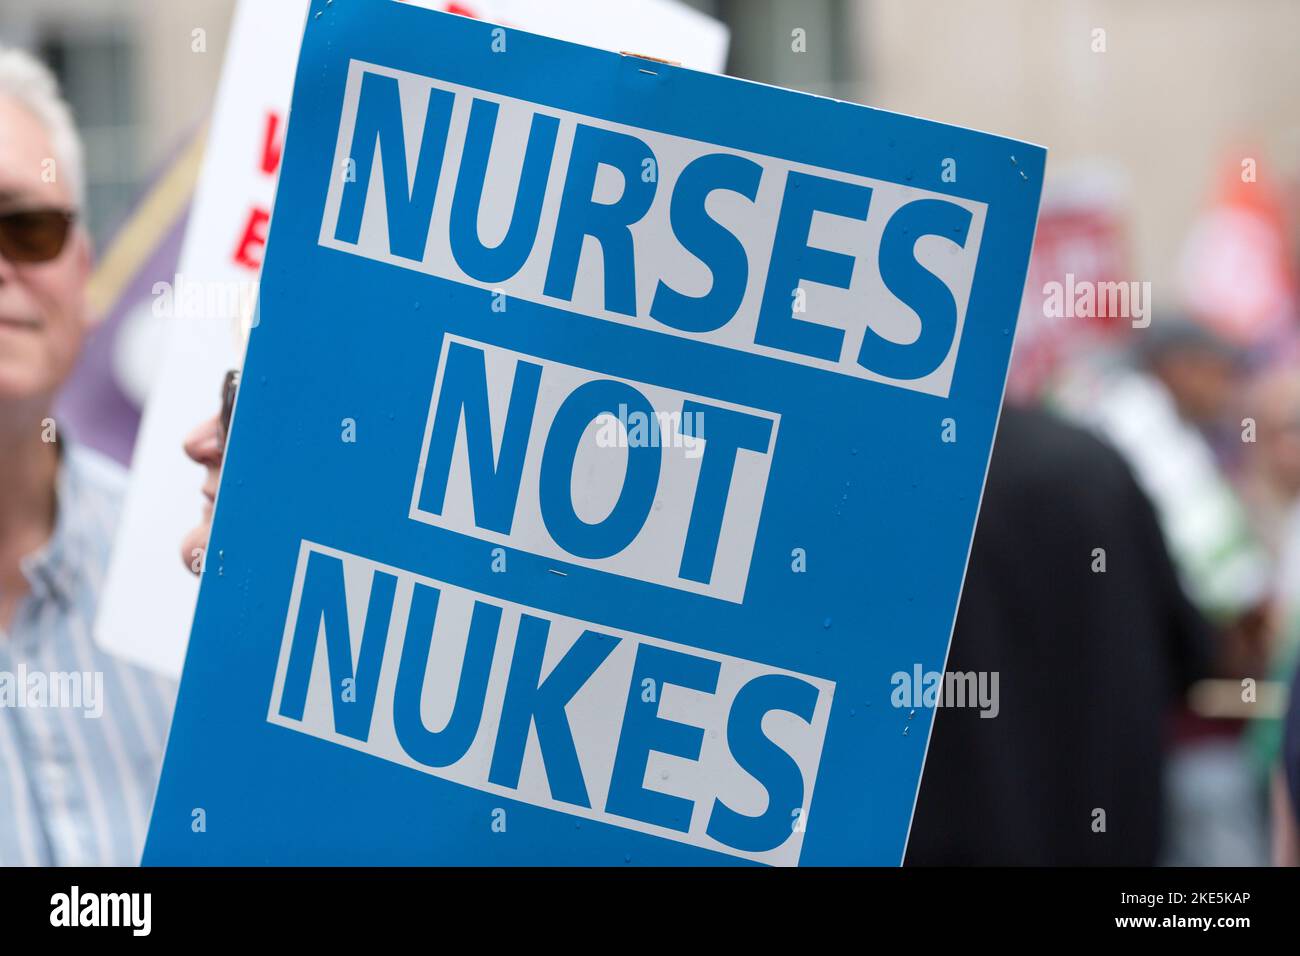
[610, 435]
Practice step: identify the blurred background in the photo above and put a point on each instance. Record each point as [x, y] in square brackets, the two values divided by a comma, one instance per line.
[1160, 315]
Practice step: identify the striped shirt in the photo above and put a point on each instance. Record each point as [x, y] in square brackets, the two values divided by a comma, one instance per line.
[81, 732]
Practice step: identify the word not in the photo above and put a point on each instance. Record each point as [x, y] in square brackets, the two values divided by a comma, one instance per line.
[623, 728]
[863, 277]
[951, 689]
[74, 690]
[75, 908]
[550, 485]
[1086, 299]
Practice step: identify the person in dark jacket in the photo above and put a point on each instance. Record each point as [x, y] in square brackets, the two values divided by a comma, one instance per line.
[1071, 597]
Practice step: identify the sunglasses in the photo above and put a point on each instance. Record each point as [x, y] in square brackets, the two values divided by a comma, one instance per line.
[229, 388]
[35, 235]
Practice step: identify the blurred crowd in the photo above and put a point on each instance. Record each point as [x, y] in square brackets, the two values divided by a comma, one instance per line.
[1200, 399]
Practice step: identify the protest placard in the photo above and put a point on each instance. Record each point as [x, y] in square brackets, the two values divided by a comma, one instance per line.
[611, 434]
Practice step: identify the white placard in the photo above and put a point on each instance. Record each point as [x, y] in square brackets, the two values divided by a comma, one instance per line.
[148, 600]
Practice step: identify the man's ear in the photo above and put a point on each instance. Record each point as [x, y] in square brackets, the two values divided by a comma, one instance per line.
[93, 311]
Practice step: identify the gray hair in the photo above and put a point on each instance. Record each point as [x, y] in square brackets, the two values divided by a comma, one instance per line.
[29, 82]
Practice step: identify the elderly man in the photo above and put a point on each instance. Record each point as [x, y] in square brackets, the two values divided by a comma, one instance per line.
[81, 733]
